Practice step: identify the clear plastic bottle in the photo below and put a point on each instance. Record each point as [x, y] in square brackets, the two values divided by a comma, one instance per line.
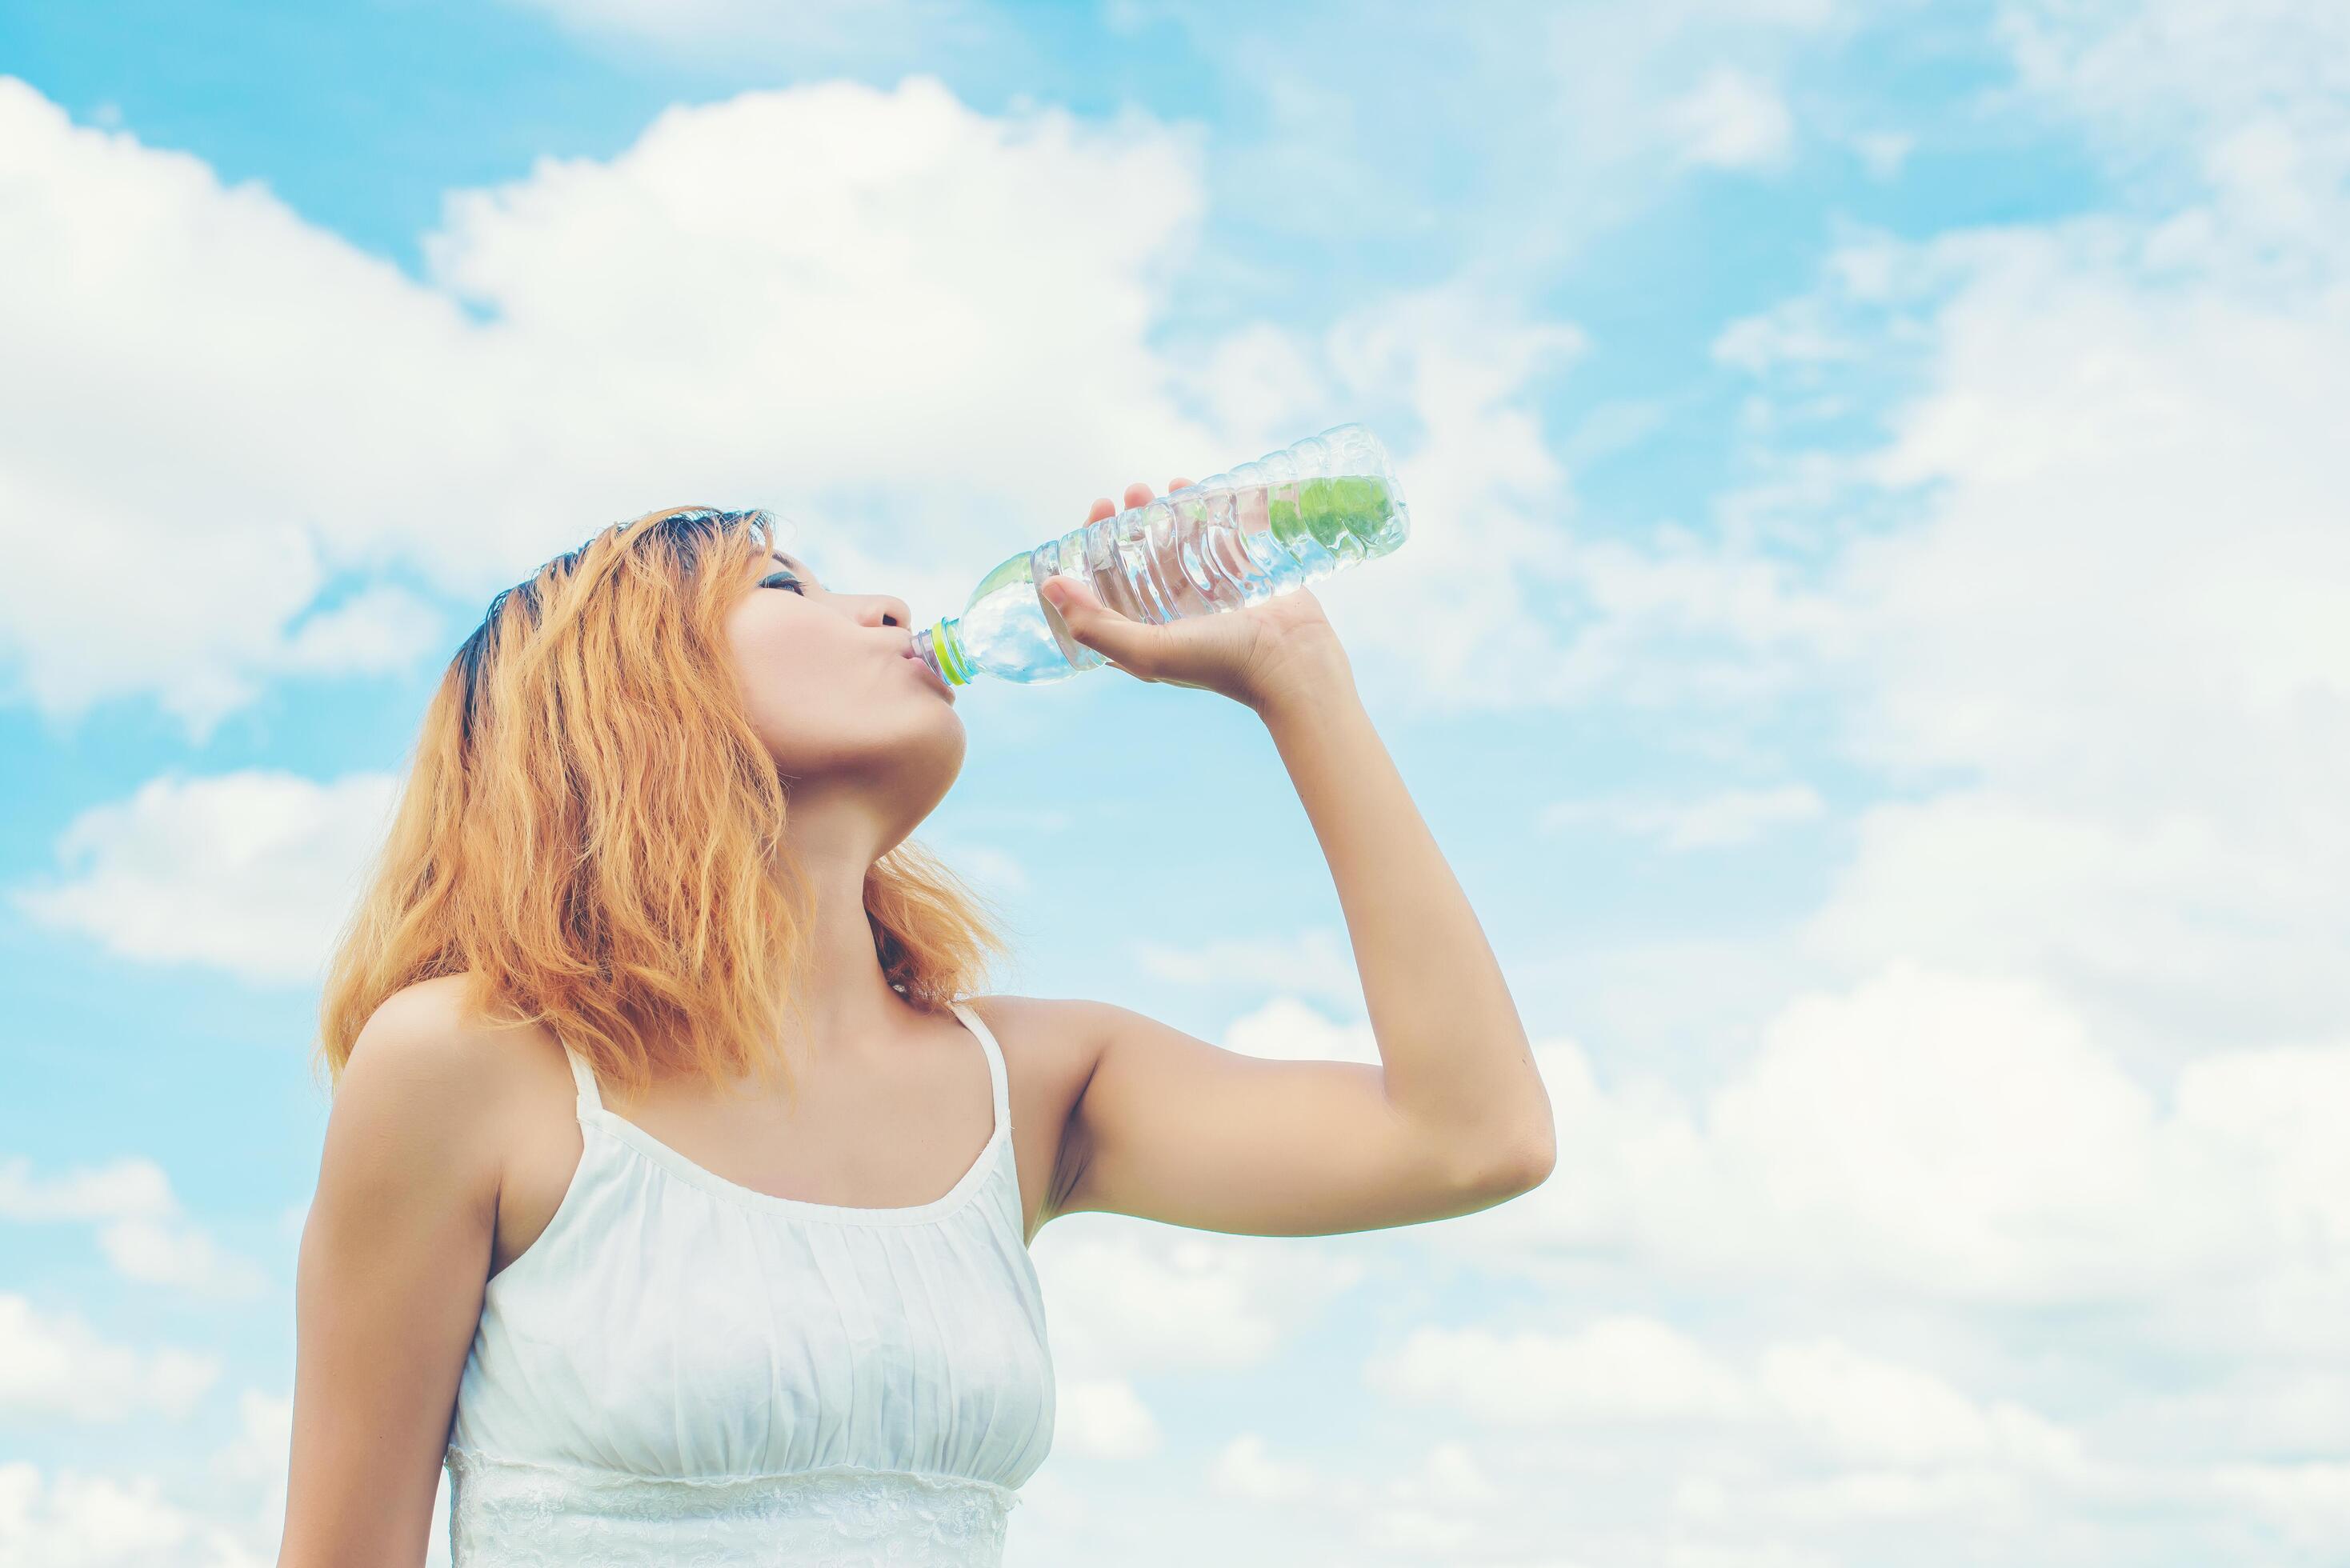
[1233, 539]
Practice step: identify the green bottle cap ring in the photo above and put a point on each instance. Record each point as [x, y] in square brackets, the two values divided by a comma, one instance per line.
[948, 648]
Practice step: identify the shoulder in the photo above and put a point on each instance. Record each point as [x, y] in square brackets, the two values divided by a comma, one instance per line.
[429, 1034]
[430, 1077]
[1054, 1033]
[1050, 1047]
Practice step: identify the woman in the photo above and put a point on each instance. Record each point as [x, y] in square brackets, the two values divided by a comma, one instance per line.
[648, 1204]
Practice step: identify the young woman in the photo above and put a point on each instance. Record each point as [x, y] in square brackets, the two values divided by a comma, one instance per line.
[648, 1203]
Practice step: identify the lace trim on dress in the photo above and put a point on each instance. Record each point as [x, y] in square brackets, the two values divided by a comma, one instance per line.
[519, 1512]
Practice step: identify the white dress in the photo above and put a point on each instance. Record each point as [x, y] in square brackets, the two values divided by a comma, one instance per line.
[683, 1371]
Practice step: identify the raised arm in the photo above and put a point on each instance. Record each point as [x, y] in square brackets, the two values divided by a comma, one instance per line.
[1453, 1119]
[394, 1257]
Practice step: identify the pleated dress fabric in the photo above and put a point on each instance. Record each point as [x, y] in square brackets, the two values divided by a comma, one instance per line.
[686, 1372]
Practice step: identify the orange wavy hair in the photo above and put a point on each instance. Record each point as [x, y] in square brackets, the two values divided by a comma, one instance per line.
[592, 833]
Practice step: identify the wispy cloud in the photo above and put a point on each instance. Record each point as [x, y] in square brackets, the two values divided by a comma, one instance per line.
[1972, 1196]
[138, 1223]
[1733, 120]
[252, 872]
[57, 1365]
[1710, 822]
[1316, 962]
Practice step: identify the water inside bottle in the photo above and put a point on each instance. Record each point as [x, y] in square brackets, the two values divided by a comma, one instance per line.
[1195, 551]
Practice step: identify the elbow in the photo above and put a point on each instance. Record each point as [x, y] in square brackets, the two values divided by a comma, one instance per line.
[1506, 1167]
[1535, 1155]
[1532, 1168]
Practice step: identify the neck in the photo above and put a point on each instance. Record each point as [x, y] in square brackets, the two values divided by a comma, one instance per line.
[846, 1002]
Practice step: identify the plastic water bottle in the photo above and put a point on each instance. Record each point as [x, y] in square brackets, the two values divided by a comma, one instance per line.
[1233, 539]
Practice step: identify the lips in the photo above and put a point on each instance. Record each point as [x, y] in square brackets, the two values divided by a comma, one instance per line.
[928, 674]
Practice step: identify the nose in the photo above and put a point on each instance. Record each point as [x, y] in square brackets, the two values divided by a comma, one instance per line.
[882, 609]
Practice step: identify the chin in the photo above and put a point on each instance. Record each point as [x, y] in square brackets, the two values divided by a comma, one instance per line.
[941, 747]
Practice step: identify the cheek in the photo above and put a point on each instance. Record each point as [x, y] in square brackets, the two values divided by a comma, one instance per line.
[763, 646]
[796, 684]
[771, 661]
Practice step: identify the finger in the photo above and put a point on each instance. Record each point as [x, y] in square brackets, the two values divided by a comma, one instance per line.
[1103, 506]
[1138, 495]
[1178, 485]
[1097, 625]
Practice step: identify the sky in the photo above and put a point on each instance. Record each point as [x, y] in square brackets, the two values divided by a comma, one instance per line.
[1874, 644]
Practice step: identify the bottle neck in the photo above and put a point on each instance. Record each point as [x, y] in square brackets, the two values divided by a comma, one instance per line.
[942, 648]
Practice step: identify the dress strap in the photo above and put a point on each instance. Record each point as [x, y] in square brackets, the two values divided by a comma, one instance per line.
[585, 1076]
[999, 1084]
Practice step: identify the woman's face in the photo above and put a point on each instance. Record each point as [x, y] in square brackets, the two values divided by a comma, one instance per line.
[832, 687]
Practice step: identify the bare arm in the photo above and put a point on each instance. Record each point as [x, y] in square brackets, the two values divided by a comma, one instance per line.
[1455, 1117]
[389, 1289]
[1458, 1063]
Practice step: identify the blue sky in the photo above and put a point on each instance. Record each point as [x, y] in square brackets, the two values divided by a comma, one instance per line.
[1871, 646]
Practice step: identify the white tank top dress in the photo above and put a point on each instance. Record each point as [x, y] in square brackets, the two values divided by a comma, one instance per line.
[683, 1371]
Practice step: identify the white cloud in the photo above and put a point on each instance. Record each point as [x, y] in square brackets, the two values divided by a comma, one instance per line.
[2107, 654]
[707, 346]
[2154, 81]
[652, 335]
[257, 1460]
[59, 1366]
[141, 1230]
[1466, 610]
[128, 1188]
[75, 1521]
[1433, 1512]
[1635, 92]
[1797, 333]
[1286, 1030]
[1731, 119]
[1962, 1140]
[2063, 1100]
[1867, 1411]
[1616, 1369]
[788, 297]
[2309, 1500]
[1131, 1300]
[182, 1257]
[2137, 486]
[382, 628]
[2110, 632]
[1847, 1406]
[1642, 1422]
[2075, 1008]
[1104, 1418]
[1463, 615]
[1883, 152]
[1450, 1473]
[2087, 609]
[1247, 1466]
[72, 1519]
[254, 872]
[1681, 625]
[1715, 821]
[1318, 961]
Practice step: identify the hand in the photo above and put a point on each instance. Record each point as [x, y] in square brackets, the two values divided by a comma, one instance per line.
[1274, 650]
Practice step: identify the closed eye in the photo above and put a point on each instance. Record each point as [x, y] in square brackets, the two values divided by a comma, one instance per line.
[784, 580]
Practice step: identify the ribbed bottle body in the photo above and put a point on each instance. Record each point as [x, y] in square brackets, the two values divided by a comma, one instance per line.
[1287, 519]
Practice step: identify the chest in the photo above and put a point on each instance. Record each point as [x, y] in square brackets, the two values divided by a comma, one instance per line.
[659, 1326]
[867, 1150]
